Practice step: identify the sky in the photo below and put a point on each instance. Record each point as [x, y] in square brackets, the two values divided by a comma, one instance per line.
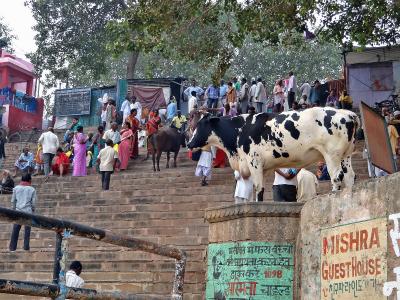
[19, 19]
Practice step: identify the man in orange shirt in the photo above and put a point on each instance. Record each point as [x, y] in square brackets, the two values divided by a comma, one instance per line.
[152, 127]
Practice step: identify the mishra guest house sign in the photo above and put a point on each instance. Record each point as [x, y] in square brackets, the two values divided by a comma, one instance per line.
[250, 270]
[353, 261]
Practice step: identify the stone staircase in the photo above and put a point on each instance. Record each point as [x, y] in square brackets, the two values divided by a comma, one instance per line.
[166, 207]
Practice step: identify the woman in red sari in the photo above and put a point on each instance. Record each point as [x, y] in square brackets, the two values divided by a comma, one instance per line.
[125, 147]
[61, 165]
[135, 126]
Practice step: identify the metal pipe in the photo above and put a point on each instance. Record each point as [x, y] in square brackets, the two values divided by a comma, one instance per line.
[57, 258]
[52, 291]
[105, 236]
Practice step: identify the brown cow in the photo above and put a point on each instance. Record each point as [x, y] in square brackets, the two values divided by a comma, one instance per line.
[168, 140]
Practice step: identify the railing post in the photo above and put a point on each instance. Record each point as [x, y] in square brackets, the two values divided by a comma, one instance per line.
[57, 258]
[63, 265]
[177, 289]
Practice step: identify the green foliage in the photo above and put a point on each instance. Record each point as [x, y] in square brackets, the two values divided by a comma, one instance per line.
[359, 21]
[309, 60]
[85, 42]
[6, 37]
[71, 38]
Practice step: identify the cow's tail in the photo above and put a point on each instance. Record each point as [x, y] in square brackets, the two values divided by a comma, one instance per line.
[357, 124]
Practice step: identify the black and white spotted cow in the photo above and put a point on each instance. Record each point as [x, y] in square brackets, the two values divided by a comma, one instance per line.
[258, 143]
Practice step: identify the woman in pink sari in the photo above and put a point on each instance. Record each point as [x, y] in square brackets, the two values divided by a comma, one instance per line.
[79, 153]
[125, 147]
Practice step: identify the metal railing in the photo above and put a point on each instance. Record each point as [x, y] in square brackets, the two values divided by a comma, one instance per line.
[64, 230]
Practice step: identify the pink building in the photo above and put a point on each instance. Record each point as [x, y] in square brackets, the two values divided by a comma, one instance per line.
[21, 110]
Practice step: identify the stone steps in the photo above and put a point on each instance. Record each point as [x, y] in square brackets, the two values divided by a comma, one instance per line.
[165, 207]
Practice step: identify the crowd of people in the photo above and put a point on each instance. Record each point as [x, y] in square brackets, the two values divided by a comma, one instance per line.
[285, 95]
[112, 146]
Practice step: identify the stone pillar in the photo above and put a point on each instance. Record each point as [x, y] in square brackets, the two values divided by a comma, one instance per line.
[252, 249]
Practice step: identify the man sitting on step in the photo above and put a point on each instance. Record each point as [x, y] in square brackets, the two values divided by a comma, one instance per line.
[72, 278]
[24, 163]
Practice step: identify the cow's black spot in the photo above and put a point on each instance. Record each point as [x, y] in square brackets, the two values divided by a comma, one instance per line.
[255, 132]
[318, 122]
[294, 132]
[342, 120]
[344, 167]
[336, 125]
[350, 128]
[328, 120]
[295, 117]
[227, 129]
[280, 118]
[280, 134]
[285, 154]
[275, 154]
[341, 176]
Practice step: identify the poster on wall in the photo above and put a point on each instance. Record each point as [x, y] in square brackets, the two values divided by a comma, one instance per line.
[250, 270]
[353, 261]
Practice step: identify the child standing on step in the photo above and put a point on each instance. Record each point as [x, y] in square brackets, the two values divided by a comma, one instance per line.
[244, 189]
[204, 166]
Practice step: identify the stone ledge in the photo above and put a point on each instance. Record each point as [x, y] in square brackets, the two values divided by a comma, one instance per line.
[253, 209]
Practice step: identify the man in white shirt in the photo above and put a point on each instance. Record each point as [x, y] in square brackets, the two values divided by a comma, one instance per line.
[126, 109]
[260, 95]
[72, 278]
[285, 182]
[136, 105]
[192, 102]
[188, 91]
[50, 143]
[305, 89]
[307, 184]
[292, 88]
[107, 160]
[113, 134]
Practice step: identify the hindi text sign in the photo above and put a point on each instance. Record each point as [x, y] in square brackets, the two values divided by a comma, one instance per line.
[250, 270]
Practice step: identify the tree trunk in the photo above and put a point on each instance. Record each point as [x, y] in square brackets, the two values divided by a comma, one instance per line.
[224, 63]
[130, 68]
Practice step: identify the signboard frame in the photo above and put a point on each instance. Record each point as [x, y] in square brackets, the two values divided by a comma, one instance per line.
[377, 139]
[86, 93]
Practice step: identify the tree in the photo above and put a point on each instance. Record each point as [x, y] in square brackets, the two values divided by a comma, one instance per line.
[76, 38]
[200, 31]
[309, 60]
[71, 39]
[362, 22]
[213, 31]
[6, 36]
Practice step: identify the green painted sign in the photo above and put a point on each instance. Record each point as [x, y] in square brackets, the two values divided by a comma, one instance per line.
[250, 270]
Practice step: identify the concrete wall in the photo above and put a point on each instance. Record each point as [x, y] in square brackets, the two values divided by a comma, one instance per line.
[252, 250]
[366, 207]
[346, 244]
